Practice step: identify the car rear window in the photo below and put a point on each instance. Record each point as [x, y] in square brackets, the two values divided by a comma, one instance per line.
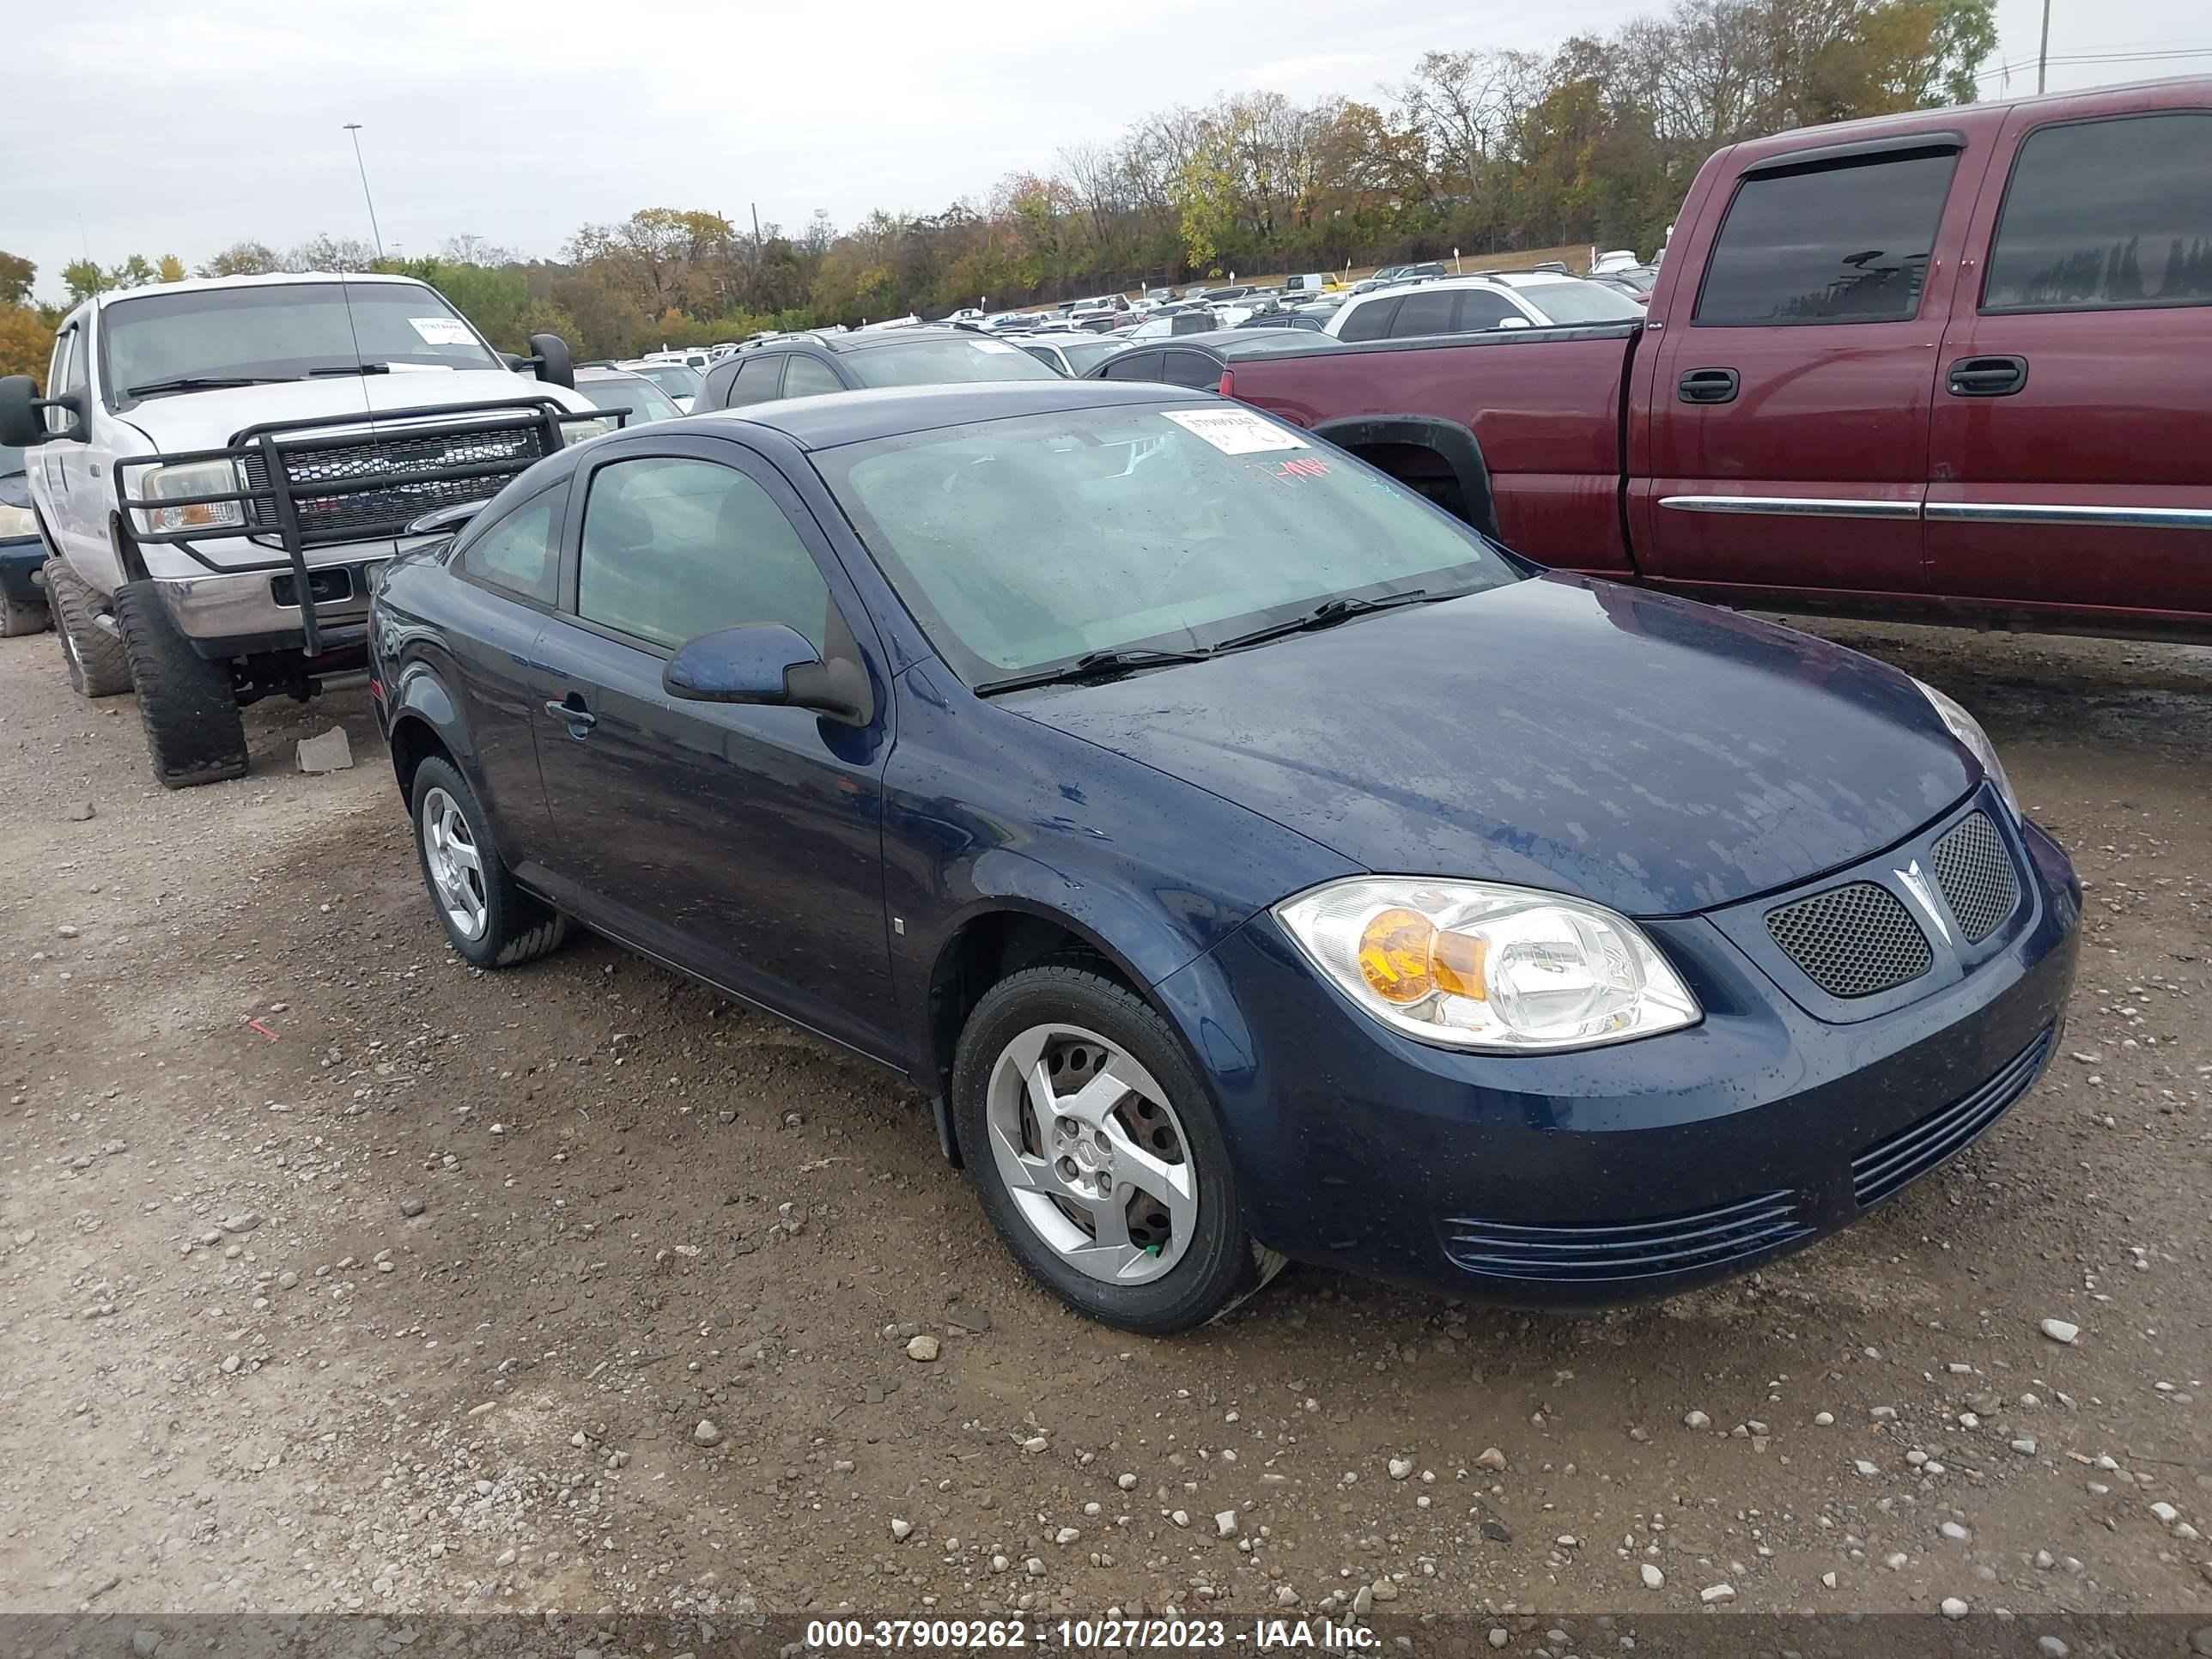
[1028, 541]
[2107, 214]
[945, 362]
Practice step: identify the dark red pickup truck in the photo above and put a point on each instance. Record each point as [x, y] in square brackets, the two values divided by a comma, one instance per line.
[1954, 365]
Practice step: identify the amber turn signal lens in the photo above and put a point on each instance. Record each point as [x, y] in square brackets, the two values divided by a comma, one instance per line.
[1394, 956]
[1456, 963]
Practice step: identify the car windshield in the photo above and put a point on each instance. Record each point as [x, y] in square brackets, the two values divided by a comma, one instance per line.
[1576, 301]
[644, 400]
[1027, 542]
[943, 362]
[674, 378]
[1083, 355]
[284, 332]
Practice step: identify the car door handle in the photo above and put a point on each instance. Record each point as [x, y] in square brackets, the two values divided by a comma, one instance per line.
[571, 711]
[1709, 386]
[1986, 377]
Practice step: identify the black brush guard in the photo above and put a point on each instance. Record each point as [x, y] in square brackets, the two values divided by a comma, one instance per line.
[363, 485]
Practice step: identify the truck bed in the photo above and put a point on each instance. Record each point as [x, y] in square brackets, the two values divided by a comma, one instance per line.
[1547, 405]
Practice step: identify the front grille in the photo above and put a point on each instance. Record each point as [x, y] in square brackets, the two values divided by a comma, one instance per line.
[1852, 941]
[1638, 1250]
[1887, 1164]
[491, 458]
[1975, 872]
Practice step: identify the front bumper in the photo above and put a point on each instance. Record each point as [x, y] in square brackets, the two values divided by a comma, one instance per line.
[235, 616]
[1611, 1173]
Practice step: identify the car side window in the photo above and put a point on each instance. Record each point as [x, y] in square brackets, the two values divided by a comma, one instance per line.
[1479, 309]
[66, 374]
[2106, 215]
[1840, 244]
[1137, 366]
[1427, 311]
[758, 381]
[1371, 321]
[516, 553]
[1191, 369]
[676, 547]
[803, 377]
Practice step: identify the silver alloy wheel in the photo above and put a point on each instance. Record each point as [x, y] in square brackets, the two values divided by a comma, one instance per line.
[449, 853]
[1093, 1154]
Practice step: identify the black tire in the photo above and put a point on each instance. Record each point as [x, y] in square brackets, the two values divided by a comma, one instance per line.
[194, 729]
[518, 927]
[21, 616]
[97, 663]
[1222, 1265]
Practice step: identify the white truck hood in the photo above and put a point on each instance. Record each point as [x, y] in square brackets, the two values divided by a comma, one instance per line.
[209, 420]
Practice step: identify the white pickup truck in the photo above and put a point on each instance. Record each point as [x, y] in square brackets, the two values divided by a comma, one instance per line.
[218, 467]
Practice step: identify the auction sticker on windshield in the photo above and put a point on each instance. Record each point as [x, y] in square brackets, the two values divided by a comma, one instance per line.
[443, 331]
[1234, 431]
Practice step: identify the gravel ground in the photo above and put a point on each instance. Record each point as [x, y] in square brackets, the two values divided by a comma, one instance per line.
[336, 1275]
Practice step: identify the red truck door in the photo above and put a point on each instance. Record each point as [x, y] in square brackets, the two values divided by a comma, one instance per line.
[1786, 435]
[2070, 452]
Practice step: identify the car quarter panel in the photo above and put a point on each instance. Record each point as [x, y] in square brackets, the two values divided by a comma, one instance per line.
[1545, 405]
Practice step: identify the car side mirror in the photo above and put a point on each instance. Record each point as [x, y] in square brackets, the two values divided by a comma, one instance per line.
[772, 664]
[550, 357]
[22, 423]
[1514, 322]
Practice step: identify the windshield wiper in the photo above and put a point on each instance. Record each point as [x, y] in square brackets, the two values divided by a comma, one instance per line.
[201, 383]
[353, 368]
[1326, 614]
[1091, 666]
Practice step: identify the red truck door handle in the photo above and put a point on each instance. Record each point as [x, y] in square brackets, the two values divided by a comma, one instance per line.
[1709, 386]
[1986, 377]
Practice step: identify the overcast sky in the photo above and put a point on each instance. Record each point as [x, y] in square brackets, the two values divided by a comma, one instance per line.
[180, 126]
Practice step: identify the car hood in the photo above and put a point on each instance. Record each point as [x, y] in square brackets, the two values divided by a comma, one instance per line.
[209, 420]
[1654, 756]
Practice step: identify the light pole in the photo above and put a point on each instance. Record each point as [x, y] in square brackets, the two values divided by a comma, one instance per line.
[353, 127]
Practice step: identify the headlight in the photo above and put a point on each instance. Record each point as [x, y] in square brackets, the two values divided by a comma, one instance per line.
[1968, 731]
[1472, 964]
[194, 478]
[17, 521]
[576, 432]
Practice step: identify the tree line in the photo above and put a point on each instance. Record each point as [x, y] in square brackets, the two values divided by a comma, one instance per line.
[1485, 151]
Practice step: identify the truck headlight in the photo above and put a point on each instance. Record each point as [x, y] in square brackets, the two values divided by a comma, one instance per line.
[1475, 964]
[17, 521]
[1968, 731]
[577, 432]
[194, 478]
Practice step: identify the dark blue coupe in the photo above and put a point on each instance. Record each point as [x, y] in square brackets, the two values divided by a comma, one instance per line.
[1250, 861]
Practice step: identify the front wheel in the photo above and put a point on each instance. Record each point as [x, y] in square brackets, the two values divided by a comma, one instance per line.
[194, 730]
[97, 665]
[1098, 1155]
[491, 921]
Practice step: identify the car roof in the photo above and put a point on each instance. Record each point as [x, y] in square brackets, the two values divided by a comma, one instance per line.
[830, 419]
[607, 372]
[1242, 342]
[274, 279]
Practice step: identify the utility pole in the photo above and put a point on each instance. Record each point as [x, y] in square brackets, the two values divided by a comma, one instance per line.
[2043, 51]
[353, 127]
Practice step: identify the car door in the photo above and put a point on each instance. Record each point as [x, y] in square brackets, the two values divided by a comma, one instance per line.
[506, 569]
[66, 461]
[2068, 458]
[741, 843]
[1790, 406]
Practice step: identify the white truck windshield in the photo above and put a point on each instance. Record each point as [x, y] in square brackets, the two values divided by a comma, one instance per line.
[154, 343]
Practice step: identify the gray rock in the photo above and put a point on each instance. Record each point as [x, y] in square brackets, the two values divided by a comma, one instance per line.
[288, 1280]
[707, 1432]
[1401, 1467]
[1953, 1607]
[244, 1222]
[1653, 1578]
[2050, 1647]
[331, 751]
[1955, 1532]
[923, 1348]
[143, 1642]
[2059, 1331]
[411, 1207]
[77, 812]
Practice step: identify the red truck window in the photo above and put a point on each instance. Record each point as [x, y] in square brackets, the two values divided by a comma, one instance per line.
[1847, 243]
[2106, 215]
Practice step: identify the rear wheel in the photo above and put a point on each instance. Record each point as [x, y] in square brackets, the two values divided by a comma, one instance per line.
[194, 729]
[491, 921]
[98, 665]
[1098, 1155]
[21, 616]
